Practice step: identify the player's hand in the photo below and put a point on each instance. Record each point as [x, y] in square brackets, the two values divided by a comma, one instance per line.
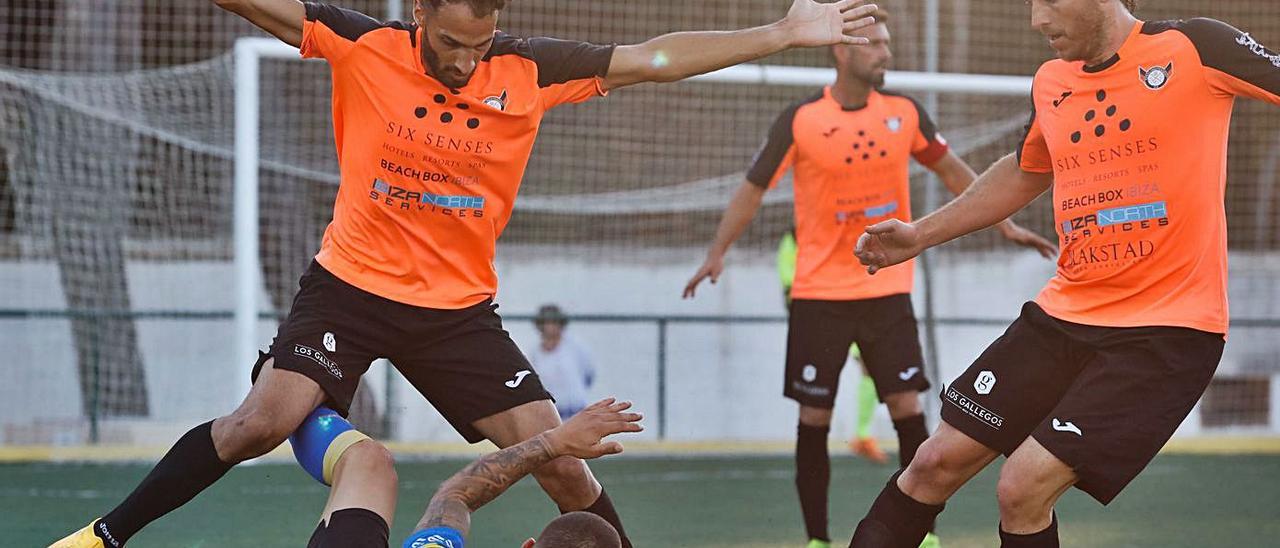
[582, 436]
[812, 24]
[1017, 234]
[888, 243]
[711, 268]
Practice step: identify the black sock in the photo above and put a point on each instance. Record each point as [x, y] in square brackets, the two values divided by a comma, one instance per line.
[351, 528]
[911, 433]
[895, 520]
[603, 507]
[1047, 538]
[813, 478]
[190, 466]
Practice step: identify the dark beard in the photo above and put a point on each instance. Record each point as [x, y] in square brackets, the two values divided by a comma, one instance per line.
[1097, 24]
[432, 61]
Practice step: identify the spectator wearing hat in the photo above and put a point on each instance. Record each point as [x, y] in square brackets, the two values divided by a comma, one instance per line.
[562, 362]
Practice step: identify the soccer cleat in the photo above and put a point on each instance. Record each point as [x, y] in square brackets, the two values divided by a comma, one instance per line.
[83, 538]
[815, 543]
[867, 448]
[931, 541]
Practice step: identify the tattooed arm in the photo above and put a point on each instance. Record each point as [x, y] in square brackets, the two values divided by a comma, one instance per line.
[483, 480]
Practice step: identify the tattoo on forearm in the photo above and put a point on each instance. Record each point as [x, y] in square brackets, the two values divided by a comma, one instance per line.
[482, 481]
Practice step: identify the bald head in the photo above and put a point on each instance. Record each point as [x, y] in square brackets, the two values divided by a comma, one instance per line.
[579, 530]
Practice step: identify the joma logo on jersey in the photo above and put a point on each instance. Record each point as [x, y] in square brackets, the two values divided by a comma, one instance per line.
[1126, 218]
[403, 198]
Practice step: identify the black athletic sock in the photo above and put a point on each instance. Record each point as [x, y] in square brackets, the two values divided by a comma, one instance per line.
[813, 478]
[351, 528]
[1047, 538]
[895, 520]
[603, 507]
[190, 466]
[911, 433]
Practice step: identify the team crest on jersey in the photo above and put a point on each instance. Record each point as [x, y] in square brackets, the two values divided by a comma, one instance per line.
[1156, 77]
[894, 124]
[498, 102]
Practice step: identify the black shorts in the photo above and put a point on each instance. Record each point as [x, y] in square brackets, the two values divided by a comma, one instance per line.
[1103, 400]
[819, 334]
[462, 361]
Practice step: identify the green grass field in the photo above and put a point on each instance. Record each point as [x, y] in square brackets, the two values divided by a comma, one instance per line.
[1181, 501]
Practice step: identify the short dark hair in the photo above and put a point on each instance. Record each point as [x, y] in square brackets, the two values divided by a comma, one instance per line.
[1131, 5]
[881, 15]
[579, 530]
[480, 8]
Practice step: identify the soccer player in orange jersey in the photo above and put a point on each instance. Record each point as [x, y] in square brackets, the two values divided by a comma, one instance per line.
[1129, 128]
[434, 120]
[850, 146]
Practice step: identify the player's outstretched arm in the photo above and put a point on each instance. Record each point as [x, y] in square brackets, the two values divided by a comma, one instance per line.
[957, 176]
[679, 55]
[280, 18]
[1000, 192]
[582, 436]
[736, 218]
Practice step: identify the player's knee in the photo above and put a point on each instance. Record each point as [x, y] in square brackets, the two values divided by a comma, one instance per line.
[815, 416]
[370, 456]
[249, 434]
[903, 404]
[1019, 489]
[932, 464]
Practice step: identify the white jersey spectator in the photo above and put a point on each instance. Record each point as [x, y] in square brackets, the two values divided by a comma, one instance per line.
[562, 362]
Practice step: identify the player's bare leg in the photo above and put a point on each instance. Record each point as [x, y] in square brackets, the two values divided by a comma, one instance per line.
[1031, 482]
[275, 406]
[365, 477]
[914, 497]
[568, 481]
[362, 501]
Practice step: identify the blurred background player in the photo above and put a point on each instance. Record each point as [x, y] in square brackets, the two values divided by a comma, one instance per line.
[1094, 377]
[562, 362]
[405, 268]
[862, 444]
[448, 518]
[851, 146]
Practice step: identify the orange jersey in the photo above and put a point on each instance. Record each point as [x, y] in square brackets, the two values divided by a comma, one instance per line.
[429, 174]
[1137, 147]
[851, 170]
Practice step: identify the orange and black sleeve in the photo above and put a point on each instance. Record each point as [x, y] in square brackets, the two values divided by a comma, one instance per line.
[1033, 151]
[329, 32]
[776, 156]
[569, 71]
[1235, 64]
[928, 146]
